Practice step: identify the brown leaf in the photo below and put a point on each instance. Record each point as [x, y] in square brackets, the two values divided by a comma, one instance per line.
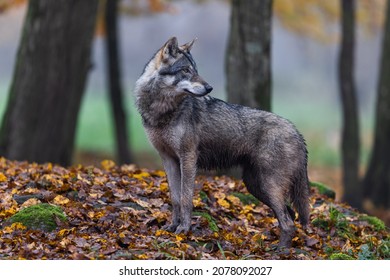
[311, 241]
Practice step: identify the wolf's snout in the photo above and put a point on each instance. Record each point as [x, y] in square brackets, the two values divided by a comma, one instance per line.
[208, 88]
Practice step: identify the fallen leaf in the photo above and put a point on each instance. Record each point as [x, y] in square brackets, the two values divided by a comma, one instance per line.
[3, 178]
[118, 213]
[107, 164]
[61, 200]
[30, 202]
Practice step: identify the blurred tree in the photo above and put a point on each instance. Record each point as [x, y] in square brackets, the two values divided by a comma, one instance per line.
[114, 81]
[248, 54]
[350, 144]
[377, 179]
[49, 79]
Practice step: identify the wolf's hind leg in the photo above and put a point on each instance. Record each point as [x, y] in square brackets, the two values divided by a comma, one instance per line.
[291, 212]
[286, 224]
[272, 194]
[172, 169]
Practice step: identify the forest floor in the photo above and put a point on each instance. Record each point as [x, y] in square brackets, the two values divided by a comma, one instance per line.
[326, 174]
[113, 212]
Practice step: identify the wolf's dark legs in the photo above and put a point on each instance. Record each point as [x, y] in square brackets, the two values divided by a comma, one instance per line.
[272, 193]
[286, 224]
[172, 168]
[188, 173]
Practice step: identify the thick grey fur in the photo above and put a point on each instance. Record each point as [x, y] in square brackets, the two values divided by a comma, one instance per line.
[192, 131]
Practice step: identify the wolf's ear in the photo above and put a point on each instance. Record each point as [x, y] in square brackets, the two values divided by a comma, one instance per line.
[187, 47]
[170, 48]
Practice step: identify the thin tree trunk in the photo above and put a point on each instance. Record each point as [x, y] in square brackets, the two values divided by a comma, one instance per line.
[114, 79]
[350, 146]
[377, 180]
[49, 80]
[248, 56]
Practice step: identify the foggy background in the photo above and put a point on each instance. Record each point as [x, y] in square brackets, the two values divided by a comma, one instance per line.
[304, 74]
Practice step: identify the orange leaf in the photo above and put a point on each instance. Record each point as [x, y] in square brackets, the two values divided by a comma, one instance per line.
[3, 178]
[141, 175]
[30, 202]
[222, 202]
[107, 164]
[164, 187]
[60, 200]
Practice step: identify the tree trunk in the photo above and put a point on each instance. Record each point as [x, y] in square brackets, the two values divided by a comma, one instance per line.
[377, 180]
[248, 56]
[350, 145]
[114, 81]
[49, 78]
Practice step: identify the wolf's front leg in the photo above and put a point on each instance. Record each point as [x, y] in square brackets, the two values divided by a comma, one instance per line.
[172, 168]
[188, 173]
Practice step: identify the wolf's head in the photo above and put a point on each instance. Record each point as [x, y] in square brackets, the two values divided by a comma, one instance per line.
[174, 68]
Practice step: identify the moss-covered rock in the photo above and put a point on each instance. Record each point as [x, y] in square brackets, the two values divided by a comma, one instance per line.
[246, 199]
[39, 217]
[340, 256]
[374, 221]
[323, 189]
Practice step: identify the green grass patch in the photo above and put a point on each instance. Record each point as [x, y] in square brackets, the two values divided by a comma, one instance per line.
[221, 250]
[211, 221]
[335, 220]
[95, 129]
[203, 196]
[246, 199]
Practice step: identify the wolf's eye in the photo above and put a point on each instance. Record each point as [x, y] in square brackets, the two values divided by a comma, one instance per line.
[186, 70]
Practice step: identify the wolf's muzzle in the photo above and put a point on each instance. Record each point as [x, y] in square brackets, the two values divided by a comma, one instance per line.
[208, 88]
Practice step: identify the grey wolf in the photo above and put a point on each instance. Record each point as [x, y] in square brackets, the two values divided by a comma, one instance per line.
[191, 130]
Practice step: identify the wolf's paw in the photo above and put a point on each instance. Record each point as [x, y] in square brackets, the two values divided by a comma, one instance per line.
[182, 229]
[170, 227]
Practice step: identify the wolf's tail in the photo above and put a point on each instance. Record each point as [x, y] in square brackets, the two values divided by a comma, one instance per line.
[300, 196]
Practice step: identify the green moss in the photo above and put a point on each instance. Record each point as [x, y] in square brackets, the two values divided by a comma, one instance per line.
[337, 221]
[383, 250]
[323, 189]
[374, 221]
[321, 222]
[212, 224]
[340, 256]
[203, 196]
[39, 217]
[370, 251]
[246, 199]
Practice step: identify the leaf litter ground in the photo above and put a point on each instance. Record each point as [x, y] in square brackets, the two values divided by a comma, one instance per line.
[118, 212]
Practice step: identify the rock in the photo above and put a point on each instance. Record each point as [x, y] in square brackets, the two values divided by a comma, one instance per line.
[42, 217]
[323, 189]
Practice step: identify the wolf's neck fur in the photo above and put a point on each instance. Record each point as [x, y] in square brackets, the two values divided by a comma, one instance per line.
[156, 105]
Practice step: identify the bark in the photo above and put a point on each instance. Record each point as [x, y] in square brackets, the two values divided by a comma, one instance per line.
[350, 144]
[377, 180]
[248, 56]
[114, 82]
[48, 82]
